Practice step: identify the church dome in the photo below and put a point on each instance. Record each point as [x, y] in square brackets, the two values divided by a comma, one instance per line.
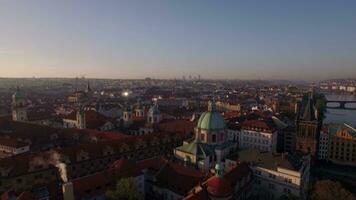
[211, 120]
[217, 185]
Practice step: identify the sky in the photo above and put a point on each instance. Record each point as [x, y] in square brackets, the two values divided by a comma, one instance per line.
[275, 39]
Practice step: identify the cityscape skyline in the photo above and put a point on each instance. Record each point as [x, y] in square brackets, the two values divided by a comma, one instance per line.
[168, 39]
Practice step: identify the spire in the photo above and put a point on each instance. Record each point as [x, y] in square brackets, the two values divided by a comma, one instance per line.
[88, 87]
[211, 106]
[309, 112]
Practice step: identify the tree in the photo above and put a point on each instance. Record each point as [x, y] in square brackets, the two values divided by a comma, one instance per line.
[126, 189]
[330, 190]
[320, 104]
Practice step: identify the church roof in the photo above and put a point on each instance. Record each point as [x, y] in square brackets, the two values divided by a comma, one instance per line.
[219, 187]
[197, 148]
[308, 109]
[333, 129]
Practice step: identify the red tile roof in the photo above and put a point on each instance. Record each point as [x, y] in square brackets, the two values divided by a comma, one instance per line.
[260, 125]
[181, 126]
[184, 178]
[218, 187]
[92, 185]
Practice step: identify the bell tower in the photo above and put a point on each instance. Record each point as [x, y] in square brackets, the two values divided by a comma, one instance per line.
[19, 106]
[154, 115]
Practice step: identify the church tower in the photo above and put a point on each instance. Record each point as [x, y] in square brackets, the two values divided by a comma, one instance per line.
[19, 106]
[88, 89]
[81, 121]
[308, 125]
[154, 115]
[127, 117]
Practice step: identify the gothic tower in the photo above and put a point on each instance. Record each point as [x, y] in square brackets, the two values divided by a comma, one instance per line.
[308, 125]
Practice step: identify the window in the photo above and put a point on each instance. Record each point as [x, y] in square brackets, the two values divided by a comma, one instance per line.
[288, 180]
[214, 138]
[272, 176]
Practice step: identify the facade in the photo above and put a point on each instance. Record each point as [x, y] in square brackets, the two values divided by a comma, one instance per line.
[13, 147]
[323, 144]
[154, 115]
[226, 106]
[28, 171]
[289, 139]
[275, 175]
[87, 118]
[211, 144]
[258, 134]
[342, 144]
[308, 125]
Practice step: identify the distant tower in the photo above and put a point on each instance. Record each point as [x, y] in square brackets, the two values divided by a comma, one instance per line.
[127, 117]
[81, 120]
[139, 111]
[154, 115]
[308, 125]
[19, 106]
[88, 89]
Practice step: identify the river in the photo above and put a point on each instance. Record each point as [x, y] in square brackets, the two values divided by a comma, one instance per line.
[339, 115]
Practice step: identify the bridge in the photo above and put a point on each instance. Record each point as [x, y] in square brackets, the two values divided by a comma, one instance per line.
[343, 105]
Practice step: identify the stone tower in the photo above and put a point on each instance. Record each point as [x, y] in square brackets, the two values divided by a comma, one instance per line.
[19, 106]
[308, 125]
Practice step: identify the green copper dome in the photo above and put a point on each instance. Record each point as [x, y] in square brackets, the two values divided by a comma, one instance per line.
[211, 120]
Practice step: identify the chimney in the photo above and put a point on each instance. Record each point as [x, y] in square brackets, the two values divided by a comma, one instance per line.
[68, 191]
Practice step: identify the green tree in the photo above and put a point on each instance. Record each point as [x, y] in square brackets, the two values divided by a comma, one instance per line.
[330, 190]
[126, 189]
[321, 105]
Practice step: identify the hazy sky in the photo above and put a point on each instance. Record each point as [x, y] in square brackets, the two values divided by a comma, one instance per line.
[247, 39]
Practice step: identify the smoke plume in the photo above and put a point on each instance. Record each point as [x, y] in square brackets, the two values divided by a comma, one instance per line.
[55, 159]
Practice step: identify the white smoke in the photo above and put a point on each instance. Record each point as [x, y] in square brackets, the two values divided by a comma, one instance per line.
[55, 159]
[63, 171]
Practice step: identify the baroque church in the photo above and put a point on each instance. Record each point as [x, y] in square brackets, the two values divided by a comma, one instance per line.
[210, 145]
